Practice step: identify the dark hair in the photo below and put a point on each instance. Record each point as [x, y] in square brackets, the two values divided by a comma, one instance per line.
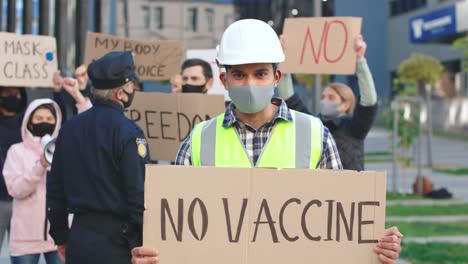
[207, 72]
[24, 100]
[49, 107]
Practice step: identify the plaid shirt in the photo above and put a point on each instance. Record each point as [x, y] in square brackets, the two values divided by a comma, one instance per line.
[255, 139]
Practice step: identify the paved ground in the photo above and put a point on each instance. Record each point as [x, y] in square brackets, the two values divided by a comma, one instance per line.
[446, 153]
[444, 239]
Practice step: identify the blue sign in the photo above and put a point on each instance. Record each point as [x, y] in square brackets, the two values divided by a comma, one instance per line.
[436, 24]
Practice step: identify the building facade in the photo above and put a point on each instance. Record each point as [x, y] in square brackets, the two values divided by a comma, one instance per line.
[389, 28]
[199, 24]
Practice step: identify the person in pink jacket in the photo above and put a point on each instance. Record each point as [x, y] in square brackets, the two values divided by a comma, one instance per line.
[25, 174]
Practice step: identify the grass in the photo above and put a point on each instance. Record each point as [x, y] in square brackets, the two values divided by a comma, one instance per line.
[457, 172]
[452, 135]
[399, 196]
[435, 253]
[428, 229]
[385, 159]
[366, 160]
[379, 154]
[409, 210]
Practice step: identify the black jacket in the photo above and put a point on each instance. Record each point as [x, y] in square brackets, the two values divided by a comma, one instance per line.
[98, 168]
[348, 131]
[10, 133]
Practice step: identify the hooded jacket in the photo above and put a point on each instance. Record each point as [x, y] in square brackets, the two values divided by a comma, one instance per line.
[25, 179]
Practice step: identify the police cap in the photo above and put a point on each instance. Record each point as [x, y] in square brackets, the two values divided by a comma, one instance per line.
[113, 70]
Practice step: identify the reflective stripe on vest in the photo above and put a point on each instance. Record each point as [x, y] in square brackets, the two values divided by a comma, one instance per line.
[295, 144]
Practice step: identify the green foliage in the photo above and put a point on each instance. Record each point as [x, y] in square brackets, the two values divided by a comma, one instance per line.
[404, 88]
[420, 68]
[435, 253]
[308, 80]
[462, 43]
[402, 196]
[457, 172]
[428, 229]
[407, 125]
[411, 210]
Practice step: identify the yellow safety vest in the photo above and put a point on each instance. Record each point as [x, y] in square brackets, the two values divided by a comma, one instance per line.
[296, 144]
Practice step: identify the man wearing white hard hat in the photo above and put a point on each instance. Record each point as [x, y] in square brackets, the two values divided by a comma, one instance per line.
[257, 129]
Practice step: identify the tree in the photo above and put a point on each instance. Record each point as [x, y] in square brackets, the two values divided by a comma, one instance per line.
[422, 69]
[462, 43]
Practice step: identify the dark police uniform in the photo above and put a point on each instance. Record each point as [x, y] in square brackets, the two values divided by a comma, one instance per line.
[98, 175]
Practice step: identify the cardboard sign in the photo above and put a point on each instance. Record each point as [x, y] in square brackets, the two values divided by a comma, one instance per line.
[27, 60]
[154, 60]
[200, 215]
[323, 45]
[209, 55]
[167, 119]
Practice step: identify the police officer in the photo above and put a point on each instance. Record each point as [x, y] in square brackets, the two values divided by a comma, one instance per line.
[98, 172]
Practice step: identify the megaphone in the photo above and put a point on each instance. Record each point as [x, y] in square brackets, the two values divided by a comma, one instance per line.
[48, 147]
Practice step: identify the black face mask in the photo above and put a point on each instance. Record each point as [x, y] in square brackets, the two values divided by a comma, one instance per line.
[129, 99]
[189, 88]
[10, 103]
[41, 129]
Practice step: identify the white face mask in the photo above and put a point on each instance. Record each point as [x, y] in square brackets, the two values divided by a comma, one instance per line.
[251, 98]
[329, 110]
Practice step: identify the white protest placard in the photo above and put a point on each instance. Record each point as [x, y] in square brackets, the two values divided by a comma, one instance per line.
[27, 60]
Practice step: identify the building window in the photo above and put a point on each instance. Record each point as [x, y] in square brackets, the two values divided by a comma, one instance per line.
[159, 17]
[228, 19]
[398, 7]
[146, 16]
[192, 19]
[210, 19]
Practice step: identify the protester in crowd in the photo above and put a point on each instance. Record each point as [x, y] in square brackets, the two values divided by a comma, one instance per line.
[258, 130]
[197, 77]
[98, 171]
[81, 76]
[65, 99]
[25, 172]
[12, 105]
[348, 122]
[72, 87]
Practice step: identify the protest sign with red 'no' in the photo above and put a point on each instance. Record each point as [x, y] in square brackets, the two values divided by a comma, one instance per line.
[322, 45]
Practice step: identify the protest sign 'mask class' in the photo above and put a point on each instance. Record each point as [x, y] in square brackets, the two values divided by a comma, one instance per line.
[27, 60]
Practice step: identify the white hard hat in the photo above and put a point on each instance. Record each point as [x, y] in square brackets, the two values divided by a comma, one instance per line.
[249, 41]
